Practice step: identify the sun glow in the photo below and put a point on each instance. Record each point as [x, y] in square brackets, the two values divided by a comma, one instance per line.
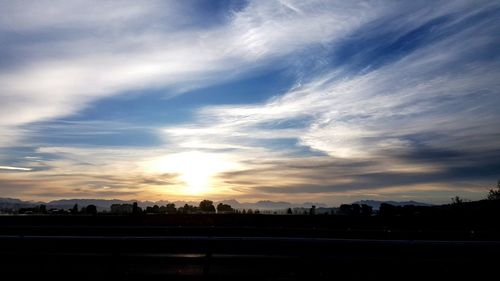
[195, 169]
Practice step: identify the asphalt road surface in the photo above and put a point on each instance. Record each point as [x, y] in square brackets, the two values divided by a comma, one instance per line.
[243, 258]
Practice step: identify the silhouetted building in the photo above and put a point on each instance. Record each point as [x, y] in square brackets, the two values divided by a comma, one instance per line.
[122, 208]
[355, 210]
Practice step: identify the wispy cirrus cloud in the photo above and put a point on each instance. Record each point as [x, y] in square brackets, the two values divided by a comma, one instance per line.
[77, 58]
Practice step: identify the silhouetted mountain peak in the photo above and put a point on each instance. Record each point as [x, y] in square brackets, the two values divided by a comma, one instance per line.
[375, 204]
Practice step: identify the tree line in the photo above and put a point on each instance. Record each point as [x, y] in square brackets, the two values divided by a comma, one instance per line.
[204, 207]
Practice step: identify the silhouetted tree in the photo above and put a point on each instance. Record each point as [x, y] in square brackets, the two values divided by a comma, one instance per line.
[312, 211]
[43, 209]
[207, 206]
[171, 208]
[136, 209]
[167, 209]
[184, 209]
[366, 210]
[387, 209]
[153, 210]
[249, 212]
[224, 208]
[163, 209]
[188, 209]
[74, 210]
[91, 209]
[289, 211]
[494, 194]
[40, 209]
[156, 209]
[456, 200]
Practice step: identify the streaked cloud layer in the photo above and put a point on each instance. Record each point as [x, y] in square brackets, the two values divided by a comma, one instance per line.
[329, 101]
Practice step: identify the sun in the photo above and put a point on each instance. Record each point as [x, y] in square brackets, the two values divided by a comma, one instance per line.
[196, 169]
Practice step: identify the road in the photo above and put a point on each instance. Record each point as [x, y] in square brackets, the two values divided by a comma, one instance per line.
[243, 258]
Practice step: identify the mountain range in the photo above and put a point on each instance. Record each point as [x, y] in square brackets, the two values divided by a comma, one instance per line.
[376, 204]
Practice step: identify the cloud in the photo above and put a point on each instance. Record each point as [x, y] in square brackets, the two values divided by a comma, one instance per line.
[90, 172]
[14, 168]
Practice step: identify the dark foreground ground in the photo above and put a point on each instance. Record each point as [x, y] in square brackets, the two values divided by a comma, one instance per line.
[249, 247]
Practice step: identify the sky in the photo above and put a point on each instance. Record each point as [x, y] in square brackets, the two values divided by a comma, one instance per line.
[299, 101]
